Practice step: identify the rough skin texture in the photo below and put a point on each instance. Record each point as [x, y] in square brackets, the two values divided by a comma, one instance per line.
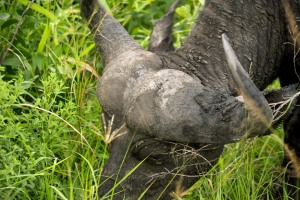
[289, 74]
[186, 100]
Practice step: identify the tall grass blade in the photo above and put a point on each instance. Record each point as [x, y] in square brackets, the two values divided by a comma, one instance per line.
[105, 5]
[44, 38]
[39, 9]
[62, 196]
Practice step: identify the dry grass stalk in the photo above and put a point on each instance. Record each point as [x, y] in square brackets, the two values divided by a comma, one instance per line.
[87, 67]
[294, 30]
[180, 191]
[280, 108]
[292, 21]
[290, 153]
[109, 133]
[84, 67]
[295, 34]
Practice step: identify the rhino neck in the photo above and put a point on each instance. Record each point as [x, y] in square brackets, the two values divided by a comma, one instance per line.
[256, 34]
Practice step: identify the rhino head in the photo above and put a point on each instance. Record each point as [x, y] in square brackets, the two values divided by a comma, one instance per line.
[181, 106]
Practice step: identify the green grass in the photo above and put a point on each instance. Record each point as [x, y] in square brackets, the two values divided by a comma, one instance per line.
[247, 170]
[51, 140]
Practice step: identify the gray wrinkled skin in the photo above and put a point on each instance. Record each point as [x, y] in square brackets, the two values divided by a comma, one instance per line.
[180, 107]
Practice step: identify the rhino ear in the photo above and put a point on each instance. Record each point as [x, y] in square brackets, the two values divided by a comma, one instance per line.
[161, 38]
[110, 37]
[255, 102]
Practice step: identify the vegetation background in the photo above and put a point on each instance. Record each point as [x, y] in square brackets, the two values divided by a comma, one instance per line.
[52, 145]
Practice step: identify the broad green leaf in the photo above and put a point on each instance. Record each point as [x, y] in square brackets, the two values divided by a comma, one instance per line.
[4, 16]
[15, 62]
[57, 50]
[9, 23]
[28, 66]
[29, 22]
[61, 70]
[38, 60]
[26, 84]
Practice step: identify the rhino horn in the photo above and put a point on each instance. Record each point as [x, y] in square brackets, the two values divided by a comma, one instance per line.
[255, 102]
[110, 37]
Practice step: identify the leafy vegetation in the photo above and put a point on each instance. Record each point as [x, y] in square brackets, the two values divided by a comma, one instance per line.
[52, 144]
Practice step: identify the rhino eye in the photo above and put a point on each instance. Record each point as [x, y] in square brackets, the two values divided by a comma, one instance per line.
[153, 151]
[157, 158]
